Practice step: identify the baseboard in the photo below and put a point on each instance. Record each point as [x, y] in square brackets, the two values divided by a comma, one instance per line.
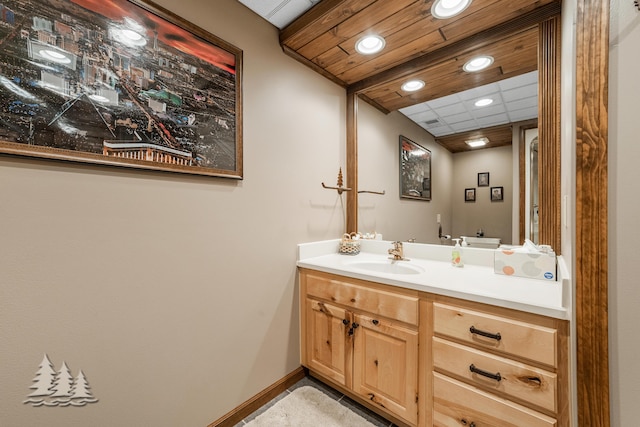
[250, 406]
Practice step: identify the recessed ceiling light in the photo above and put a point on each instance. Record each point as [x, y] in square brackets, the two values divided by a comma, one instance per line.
[413, 85]
[478, 142]
[483, 102]
[369, 45]
[478, 63]
[54, 56]
[99, 98]
[443, 9]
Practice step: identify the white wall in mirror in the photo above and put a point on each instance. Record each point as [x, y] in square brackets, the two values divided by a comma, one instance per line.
[493, 217]
[378, 169]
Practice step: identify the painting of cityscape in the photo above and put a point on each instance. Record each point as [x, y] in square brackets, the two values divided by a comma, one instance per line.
[118, 82]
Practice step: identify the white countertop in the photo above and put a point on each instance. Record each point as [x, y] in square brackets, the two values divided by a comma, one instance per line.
[476, 281]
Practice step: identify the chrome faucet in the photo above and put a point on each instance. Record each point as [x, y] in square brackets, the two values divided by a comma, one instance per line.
[397, 252]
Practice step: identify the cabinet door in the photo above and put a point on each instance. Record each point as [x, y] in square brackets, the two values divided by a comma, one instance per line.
[385, 361]
[325, 341]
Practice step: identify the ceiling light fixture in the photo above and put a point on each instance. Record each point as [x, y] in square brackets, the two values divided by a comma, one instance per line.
[478, 142]
[483, 102]
[54, 56]
[413, 85]
[368, 45]
[443, 9]
[478, 63]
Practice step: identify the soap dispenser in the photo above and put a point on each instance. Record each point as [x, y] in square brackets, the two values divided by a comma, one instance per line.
[456, 254]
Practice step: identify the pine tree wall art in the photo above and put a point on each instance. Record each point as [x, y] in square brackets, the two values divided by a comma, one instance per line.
[59, 388]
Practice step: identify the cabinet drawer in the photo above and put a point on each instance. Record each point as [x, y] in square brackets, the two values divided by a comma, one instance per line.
[516, 380]
[387, 304]
[508, 336]
[457, 404]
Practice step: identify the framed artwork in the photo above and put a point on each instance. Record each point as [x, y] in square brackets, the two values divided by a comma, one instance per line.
[118, 82]
[469, 194]
[497, 194]
[483, 179]
[415, 170]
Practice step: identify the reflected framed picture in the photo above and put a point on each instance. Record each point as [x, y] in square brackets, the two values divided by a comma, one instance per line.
[483, 179]
[119, 82]
[415, 170]
[497, 194]
[469, 194]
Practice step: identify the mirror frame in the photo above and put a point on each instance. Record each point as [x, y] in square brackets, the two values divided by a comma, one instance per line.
[591, 232]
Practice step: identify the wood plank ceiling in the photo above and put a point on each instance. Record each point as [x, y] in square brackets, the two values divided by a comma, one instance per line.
[418, 45]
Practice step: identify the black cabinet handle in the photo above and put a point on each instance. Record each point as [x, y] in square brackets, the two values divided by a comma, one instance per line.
[464, 423]
[354, 325]
[495, 376]
[475, 331]
[345, 322]
[375, 322]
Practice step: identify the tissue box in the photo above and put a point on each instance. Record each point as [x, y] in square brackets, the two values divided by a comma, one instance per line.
[533, 265]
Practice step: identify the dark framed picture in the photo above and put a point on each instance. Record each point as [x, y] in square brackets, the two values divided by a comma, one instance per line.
[118, 82]
[497, 194]
[415, 170]
[483, 179]
[469, 194]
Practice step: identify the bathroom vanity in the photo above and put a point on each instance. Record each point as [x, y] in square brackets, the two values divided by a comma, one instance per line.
[427, 344]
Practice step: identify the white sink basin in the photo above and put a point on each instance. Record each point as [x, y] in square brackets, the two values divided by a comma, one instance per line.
[387, 267]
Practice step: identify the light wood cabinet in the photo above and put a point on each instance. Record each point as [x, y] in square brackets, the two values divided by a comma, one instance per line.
[428, 360]
[497, 367]
[363, 337]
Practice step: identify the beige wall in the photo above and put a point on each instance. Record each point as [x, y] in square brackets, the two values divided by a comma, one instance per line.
[624, 230]
[493, 217]
[379, 169]
[176, 295]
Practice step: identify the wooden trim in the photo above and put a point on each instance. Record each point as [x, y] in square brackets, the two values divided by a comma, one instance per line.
[295, 55]
[591, 235]
[352, 163]
[522, 164]
[549, 55]
[310, 18]
[256, 402]
[471, 43]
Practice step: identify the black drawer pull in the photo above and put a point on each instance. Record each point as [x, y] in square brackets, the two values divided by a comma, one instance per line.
[496, 337]
[495, 376]
[375, 322]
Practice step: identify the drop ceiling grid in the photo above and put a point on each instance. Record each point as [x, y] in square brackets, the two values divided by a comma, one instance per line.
[279, 12]
[514, 100]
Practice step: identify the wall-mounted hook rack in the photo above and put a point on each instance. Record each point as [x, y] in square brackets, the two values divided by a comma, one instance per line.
[340, 188]
[372, 192]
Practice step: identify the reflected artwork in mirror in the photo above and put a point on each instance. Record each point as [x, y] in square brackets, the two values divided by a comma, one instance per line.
[415, 170]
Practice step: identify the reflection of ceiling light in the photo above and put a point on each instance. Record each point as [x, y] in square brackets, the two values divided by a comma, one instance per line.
[443, 9]
[131, 35]
[99, 98]
[478, 142]
[413, 85]
[478, 63]
[483, 102]
[54, 56]
[369, 45]
[133, 24]
[127, 37]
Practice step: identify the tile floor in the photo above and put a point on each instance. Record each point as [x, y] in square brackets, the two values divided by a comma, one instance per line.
[372, 417]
